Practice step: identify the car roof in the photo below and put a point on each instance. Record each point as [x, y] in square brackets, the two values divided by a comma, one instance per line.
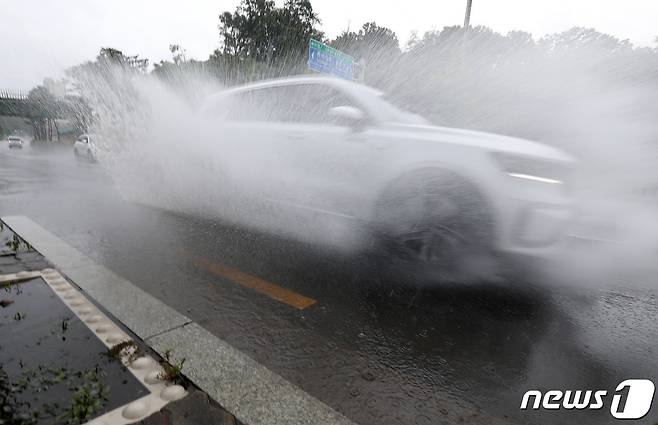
[300, 79]
[354, 89]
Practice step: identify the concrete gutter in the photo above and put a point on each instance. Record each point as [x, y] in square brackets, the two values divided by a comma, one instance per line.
[144, 368]
[251, 392]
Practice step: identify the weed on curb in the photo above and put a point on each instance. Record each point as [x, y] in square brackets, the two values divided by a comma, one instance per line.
[171, 372]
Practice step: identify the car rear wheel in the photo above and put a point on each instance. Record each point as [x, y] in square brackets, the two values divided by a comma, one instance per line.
[434, 226]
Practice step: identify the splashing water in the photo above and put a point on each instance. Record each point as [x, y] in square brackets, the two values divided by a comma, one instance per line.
[161, 151]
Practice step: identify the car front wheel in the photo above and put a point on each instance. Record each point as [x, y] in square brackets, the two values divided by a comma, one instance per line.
[435, 226]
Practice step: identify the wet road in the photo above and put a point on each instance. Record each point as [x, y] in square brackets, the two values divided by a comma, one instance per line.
[376, 351]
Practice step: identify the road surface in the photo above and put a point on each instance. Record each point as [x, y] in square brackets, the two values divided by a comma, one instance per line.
[378, 352]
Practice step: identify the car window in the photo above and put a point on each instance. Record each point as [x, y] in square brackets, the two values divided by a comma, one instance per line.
[299, 103]
[310, 103]
[252, 105]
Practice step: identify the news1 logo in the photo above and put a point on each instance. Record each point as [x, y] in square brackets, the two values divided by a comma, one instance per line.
[631, 400]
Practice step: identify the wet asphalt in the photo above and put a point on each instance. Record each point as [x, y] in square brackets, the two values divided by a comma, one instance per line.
[378, 350]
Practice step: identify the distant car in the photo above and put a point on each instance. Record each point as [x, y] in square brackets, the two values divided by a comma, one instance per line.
[331, 156]
[84, 147]
[15, 142]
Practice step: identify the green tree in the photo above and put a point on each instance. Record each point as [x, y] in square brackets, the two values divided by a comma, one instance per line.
[370, 42]
[110, 65]
[297, 24]
[377, 48]
[177, 53]
[43, 111]
[258, 31]
[249, 31]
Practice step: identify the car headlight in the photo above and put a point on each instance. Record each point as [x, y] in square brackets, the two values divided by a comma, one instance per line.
[532, 168]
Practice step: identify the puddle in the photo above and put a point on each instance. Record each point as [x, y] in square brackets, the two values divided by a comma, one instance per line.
[56, 368]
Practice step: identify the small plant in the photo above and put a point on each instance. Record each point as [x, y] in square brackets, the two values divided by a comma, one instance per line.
[88, 399]
[9, 286]
[127, 349]
[171, 372]
[19, 316]
[65, 327]
[65, 324]
[16, 242]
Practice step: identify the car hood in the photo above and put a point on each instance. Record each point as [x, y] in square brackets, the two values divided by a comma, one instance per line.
[486, 141]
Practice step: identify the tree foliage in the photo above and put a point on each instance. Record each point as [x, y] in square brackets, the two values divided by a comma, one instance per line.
[374, 46]
[109, 65]
[177, 53]
[43, 110]
[369, 43]
[259, 31]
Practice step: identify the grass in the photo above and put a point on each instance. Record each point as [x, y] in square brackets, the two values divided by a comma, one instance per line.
[16, 243]
[171, 371]
[88, 398]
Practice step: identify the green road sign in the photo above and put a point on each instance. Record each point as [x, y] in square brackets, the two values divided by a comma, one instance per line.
[326, 59]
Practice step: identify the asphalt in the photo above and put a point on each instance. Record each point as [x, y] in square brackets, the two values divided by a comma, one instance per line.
[375, 351]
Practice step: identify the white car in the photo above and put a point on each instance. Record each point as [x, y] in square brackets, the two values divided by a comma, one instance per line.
[15, 142]
[84, 147]
[333, 157]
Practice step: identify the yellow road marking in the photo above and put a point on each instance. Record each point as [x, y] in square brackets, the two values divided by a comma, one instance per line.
[262, 286]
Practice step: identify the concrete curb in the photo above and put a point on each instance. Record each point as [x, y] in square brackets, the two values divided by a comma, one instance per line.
[250, 391]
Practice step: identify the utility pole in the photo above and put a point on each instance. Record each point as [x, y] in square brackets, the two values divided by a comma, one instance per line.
[467, 18]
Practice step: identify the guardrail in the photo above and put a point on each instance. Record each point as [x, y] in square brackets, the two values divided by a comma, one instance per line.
[13, 94]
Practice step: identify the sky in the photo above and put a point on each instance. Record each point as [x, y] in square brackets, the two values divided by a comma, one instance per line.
[41, 38]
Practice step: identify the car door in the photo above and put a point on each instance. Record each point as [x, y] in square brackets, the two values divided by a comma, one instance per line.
[248, 157]
[281, 151]
[330, 163]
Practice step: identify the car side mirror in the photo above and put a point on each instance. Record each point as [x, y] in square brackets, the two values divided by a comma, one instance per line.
[349, 116]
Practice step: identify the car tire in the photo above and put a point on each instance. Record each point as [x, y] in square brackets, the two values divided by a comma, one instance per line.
[434, 226]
